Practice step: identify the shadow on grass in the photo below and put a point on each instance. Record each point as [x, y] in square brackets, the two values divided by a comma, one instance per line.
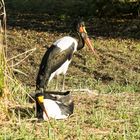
[96, 27]
[38, 22]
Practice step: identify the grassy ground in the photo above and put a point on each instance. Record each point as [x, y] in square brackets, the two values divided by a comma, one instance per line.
[106, 116]
[113, 114]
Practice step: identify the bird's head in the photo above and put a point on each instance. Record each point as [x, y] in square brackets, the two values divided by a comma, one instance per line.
[39, 98]
[81, 29]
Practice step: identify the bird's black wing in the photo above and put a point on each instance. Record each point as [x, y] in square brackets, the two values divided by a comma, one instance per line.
[66, 109]
[57, 58]
[51, 61]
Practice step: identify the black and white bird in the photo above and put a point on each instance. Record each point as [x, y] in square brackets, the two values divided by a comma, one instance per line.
[53, 105]
[59, 55]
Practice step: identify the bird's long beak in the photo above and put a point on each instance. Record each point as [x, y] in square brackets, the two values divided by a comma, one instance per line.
[41, 103]
[88, 41]
[89, 44]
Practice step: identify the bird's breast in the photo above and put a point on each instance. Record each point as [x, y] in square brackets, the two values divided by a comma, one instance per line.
[64, 67]
[61, 70]
[53, 110]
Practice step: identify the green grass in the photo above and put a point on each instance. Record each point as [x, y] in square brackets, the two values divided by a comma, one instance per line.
[115, 116]
[106, 116]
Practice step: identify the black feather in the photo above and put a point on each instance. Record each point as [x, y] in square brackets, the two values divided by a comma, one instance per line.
[51, 61]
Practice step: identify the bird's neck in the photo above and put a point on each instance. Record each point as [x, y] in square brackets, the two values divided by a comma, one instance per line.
[39, 112]
[81, 42]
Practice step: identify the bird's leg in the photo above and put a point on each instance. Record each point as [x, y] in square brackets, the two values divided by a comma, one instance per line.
[63, 84]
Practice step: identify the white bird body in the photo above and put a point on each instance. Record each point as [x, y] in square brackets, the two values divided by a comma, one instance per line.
[56, 105]
[62, 70]
[56, 60]
[65, 42]
[53, 110]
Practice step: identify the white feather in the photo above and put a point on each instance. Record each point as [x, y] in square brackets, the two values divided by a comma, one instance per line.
[65, 42]
[53, 110]
[62, 70]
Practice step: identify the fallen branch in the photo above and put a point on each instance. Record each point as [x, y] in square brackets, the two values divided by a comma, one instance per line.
[21, 60]
[19, 71]
[31, 50]
[94, 92]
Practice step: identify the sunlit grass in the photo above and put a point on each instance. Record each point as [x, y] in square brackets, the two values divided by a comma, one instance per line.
[108, 116]
[112, 114]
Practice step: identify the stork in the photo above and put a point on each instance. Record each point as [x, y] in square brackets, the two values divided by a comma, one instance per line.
[59, 55]
[53, 105]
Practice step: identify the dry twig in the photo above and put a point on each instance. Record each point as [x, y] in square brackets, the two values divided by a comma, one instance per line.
[31, 51]
[24, 53]
[90, 92]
